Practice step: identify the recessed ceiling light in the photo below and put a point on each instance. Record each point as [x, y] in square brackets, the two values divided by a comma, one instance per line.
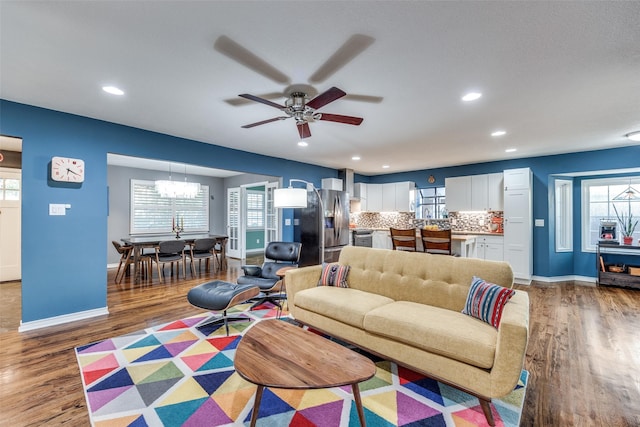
[385, 166]
[471, 96]
[510, 150]
[634, 136]
[113, 90]
[302, 143]
[499, 133]
[355, 158]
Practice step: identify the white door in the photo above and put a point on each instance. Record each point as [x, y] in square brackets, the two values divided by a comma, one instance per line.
[234, 243]
[10, 195]
[272, 223]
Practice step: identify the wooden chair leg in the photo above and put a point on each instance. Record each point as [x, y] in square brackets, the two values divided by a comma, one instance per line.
[486, 408]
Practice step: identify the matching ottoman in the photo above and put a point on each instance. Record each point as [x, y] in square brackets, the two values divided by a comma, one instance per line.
[220, 296]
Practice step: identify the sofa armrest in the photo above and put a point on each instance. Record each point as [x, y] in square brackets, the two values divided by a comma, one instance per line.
[511, 345]
[298, 279]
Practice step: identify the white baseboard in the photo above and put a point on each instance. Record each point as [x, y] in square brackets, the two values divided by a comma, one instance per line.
[564, 279]
[65, 318]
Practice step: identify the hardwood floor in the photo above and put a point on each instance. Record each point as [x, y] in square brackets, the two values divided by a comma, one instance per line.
[583, 354]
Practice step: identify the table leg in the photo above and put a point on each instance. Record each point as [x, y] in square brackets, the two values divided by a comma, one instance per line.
[136, 261]
[256, 406]
[356, 397]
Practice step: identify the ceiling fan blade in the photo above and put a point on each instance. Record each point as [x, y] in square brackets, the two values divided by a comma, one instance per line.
[238, 102]
[356, 44]
[364, 98]
[303, 130]
[262, 100]
[350, 120]
[242, 55]
[263, 122]
[325, 98]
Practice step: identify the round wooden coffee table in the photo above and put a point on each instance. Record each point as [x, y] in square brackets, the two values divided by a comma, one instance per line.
[277, 354]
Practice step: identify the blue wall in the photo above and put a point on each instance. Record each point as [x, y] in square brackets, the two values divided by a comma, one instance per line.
[64, 267]
[64, 257]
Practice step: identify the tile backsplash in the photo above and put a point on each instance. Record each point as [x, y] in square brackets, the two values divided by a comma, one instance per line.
[479, 222]
[474, 222]
[382, 219]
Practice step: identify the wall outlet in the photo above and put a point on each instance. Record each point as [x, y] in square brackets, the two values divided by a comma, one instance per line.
[258, 241]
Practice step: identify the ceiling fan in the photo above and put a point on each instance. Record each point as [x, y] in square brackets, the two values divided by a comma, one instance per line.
[297, 104]
[304, 112]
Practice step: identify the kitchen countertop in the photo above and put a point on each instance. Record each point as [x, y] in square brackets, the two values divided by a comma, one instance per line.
[477, 233]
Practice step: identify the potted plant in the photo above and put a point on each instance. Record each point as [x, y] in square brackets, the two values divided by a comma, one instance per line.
[627, 225]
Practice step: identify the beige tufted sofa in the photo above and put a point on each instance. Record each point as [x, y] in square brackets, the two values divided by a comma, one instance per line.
[406, 307]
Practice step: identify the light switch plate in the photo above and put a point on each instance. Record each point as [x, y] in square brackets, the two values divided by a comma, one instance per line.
[57, 209]
[539, 222]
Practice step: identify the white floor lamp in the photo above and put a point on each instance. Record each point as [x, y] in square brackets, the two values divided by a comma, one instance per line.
[297, 198]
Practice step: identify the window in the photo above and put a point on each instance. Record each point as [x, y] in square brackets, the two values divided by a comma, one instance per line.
[431, 203]
[564, 215]
[597, 204]
[255, 209]
[151, 213]
[9, 189]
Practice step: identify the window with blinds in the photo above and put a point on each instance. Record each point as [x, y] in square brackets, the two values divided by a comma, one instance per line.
[255, 209]
[151, 213]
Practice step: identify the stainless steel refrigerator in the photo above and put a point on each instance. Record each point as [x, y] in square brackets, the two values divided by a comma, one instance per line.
[310, 220]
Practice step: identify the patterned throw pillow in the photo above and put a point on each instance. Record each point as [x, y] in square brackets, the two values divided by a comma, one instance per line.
[334, 274]
[485, 301]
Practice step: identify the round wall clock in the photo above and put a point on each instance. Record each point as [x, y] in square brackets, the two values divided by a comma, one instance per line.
[65, 169]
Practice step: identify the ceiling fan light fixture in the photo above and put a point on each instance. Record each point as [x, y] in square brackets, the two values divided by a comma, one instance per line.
[634, 136]
[471, 96]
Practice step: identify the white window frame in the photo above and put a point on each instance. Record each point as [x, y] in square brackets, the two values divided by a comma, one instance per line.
[564, 214]
[634, 181]
[256, 214]
[172, 209]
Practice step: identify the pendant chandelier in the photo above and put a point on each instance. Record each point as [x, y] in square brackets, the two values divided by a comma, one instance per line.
[171, 189]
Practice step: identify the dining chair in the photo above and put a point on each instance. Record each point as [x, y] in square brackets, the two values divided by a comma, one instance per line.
[220, 254]
[202, 249]
[126, 259]
[436, 241]
[403, 239]
[170, 251]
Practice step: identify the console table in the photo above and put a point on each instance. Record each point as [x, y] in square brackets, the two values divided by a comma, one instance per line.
[605, 254]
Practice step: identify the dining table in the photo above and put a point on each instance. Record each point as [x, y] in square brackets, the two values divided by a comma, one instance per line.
[138, 243]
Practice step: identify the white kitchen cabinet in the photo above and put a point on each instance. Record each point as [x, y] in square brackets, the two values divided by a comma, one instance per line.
[517, 179]
[475, 192]
[518, 223]
[381, 239]
[403, 196]
[490, 247]
[374, 198]
[479, 192]
[388, 197]
[458, 191]
[495, 191]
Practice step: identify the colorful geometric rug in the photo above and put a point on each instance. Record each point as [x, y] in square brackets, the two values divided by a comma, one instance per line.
[177, 375]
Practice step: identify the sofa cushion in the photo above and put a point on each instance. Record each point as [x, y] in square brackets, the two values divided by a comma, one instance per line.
[345, 305]
[334, 274]
[436, 330]
[486, 301]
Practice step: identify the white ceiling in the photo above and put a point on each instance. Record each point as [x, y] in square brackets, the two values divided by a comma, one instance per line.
[557, 76]
[172, 167]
